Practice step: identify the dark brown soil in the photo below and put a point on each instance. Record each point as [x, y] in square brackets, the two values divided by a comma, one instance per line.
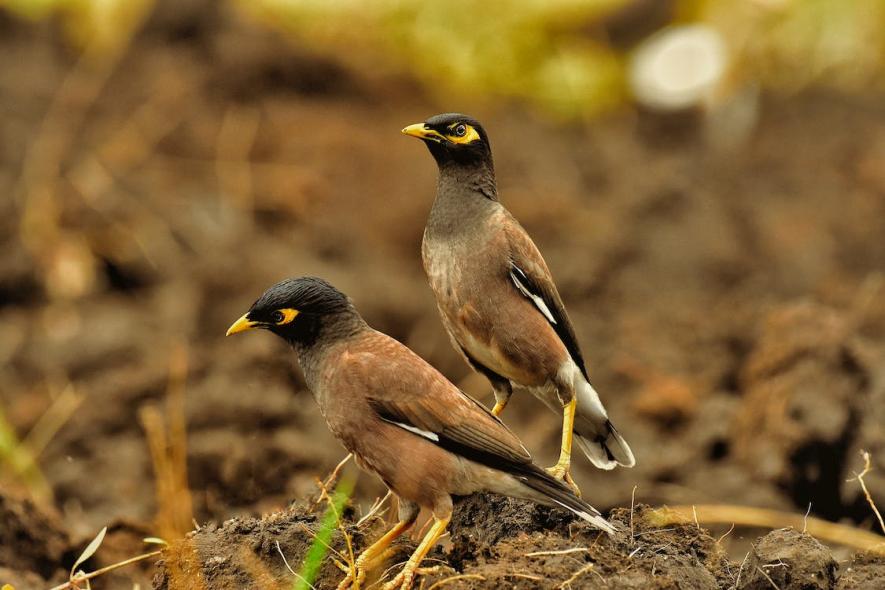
[729, 302]
[503, 543]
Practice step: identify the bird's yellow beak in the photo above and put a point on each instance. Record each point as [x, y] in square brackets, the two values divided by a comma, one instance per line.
[421, 131]
[241, 325]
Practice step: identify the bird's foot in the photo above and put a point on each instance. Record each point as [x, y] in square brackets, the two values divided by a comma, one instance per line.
[351, 580]
[356, 575]
[562, 472]
[406, 577]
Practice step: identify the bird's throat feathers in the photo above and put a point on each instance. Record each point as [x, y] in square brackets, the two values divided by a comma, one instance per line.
[467, 181]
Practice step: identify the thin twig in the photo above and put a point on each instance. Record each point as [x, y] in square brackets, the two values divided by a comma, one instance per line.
[325, 484]
[632, 504]
[737, 582]
[560, 552]
[374, 510]
[859, 477]
[285, 561]
[568, 583]
[767, 577]
[728, 532]
[77, 579]
[289, 567]
[524, 576]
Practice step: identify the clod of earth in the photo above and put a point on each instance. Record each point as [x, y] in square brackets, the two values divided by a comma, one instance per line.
[499, 542]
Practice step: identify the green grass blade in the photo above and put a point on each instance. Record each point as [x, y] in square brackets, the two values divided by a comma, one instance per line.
[317, 552]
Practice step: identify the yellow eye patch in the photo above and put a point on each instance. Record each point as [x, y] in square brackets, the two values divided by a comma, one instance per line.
[287, 314]
[469, 135]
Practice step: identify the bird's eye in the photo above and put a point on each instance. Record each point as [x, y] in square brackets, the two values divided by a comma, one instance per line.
[460, 130]
[277, 317]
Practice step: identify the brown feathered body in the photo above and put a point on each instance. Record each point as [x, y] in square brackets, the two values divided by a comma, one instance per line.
[501, 307]
[402, 420]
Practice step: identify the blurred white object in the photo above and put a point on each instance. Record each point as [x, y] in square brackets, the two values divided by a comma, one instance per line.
[678, 68]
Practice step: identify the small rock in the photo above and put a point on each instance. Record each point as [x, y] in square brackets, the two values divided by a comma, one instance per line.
[789, 560]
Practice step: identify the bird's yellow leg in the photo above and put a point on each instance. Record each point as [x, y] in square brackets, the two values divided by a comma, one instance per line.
[501, 399]
[372, 554]
[561, 469]
[403, 581]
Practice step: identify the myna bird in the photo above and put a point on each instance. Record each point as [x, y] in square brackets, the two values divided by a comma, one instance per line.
[497, 297]
[401, 419]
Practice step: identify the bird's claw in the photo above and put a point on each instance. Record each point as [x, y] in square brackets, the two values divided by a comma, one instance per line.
[355, 581]
[404, 579]
[348, 581]
[563, 474]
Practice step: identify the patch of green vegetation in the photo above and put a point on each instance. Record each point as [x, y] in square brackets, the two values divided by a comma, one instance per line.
[320, 547]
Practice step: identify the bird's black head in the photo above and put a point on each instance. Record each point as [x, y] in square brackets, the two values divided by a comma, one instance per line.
[454, 138]
[301, 311]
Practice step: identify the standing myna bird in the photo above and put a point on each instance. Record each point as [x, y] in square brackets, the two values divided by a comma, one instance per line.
[401, 419]
[497, 298]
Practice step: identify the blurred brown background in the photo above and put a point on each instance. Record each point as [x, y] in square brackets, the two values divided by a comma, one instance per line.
[705, 179]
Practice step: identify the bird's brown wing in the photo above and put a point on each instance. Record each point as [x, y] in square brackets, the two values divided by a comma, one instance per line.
[405, 390]
[531, 277]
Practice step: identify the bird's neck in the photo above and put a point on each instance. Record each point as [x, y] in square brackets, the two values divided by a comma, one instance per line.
[477, 179]
[329, 335]
[464, 195]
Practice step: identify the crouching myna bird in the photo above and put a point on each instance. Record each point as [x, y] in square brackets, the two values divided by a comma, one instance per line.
[401, 419]
[497, 297]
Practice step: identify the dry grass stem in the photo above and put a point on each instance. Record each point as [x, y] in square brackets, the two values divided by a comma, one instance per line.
[586, 569]
[560, 552]
[859, 477]
[373, 511]
[767, 577]
[728, 532]
[167, 442]
[632, 508]
[737, 581]
[79, 578]
[330, 480]
[52, 420]
[525, 577]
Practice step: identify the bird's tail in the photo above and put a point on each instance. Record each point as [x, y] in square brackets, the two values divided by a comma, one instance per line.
[555, 492]
[597, 436]
[607, 451]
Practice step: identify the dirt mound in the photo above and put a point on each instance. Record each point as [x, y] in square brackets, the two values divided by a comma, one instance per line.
[498, 542]
[788, 559]
[33, 542]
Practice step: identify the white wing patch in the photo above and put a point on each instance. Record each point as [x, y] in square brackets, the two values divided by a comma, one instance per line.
[539, 303]
[423, 433]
